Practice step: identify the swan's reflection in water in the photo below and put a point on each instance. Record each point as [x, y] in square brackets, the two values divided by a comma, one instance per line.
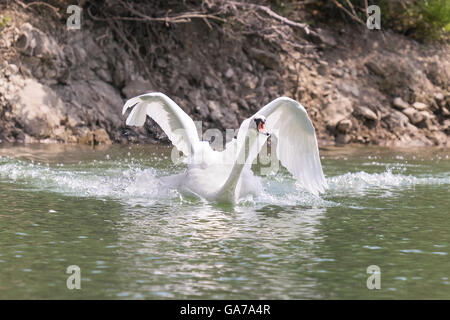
[207, 251]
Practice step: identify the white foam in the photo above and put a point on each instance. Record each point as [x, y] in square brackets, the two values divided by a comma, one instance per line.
[387, 179]
[131, 183]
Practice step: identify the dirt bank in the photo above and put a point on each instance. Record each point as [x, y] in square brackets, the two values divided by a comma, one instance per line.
[359, 86]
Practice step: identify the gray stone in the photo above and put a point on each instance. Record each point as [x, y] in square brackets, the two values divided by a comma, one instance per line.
[414, 116]
[38, 109]
[445, 112]
[344, 126]
[397, 120]
[400, 104]
[323, 37]
[210, 83]
[348, 87]
[215, 112]
[439, 96]
[137, 87]
[343, 138]
[11, 69]
[374, 68]
[104, 75]
[161, 63]
[420, 106]
[337, 110]
[229, 74]
[337, 72]
[250, 81]
[34, 42]
[267, 59]
[366, 113]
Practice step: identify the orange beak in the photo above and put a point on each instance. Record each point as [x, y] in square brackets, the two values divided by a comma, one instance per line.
[262, 127]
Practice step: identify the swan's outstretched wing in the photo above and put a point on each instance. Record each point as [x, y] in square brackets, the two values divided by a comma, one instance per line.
[297, 147]
[177, 125]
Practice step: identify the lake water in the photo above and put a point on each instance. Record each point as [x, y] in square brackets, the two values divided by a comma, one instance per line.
[106, 211]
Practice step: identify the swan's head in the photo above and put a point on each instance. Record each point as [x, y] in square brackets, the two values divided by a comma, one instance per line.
[260, 124]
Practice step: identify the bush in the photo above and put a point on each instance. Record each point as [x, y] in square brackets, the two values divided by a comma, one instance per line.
[420, 19]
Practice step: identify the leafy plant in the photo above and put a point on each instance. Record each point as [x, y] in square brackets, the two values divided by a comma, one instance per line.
[420, 19]
[4, 20]
[430, 18]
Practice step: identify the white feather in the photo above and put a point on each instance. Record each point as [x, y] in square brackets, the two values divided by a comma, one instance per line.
[176, 124]
[297, 147]
[211, 174]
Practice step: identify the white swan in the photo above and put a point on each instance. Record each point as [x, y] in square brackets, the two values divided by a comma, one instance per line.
[226, 176]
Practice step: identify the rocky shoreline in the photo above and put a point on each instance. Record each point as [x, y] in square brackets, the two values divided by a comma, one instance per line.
[359, 86]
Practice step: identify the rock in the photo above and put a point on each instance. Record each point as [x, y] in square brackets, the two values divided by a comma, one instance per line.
[337, 72]
[439, 138]
[445, 112]
[65, 135]
[440, 100]
[350, 88]
[104, 75]
[400, 104]
[87, 87]
[427, 115]
[414, 116]
[344, 126]
[11, 69]
[69, 55]
[210, 83]
[29, 139]
[243, 104]
[137, 87]
[196, 100]
[96, 137]
[428, 120]
[267, 59]
[396, 120]
[446, 126]
[366, 113]
[343, 138]
[161, 63]
[34, 42]
[215, 112]
[323, 69]
[438, 72]
[202, 109]
[420, 106]
[229, 74]
[439, 97]
[337, 110]
[38, 108]
[80, 54]
[374, 68]
[250, 81]
[323, 37]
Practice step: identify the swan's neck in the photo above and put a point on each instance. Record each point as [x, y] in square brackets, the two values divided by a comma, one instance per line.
[245, 150]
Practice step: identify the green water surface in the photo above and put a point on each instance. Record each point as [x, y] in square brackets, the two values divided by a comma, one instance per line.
[106, 211]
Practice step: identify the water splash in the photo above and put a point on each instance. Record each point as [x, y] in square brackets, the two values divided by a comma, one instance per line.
[133, 183]
[363, 180]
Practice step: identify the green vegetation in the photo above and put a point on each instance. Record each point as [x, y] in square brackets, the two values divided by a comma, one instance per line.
[420, 19]
[4, 20]
[423, 20]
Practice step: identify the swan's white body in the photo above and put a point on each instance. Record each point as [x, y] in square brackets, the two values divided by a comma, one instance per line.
[226, 176]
